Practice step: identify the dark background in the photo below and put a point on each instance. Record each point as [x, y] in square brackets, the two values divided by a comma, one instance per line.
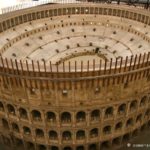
[142, 138]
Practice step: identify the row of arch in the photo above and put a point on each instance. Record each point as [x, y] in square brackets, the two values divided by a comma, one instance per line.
[23, 18]
[65, 117]
[47, 27]
[108, 144]
[80, 134]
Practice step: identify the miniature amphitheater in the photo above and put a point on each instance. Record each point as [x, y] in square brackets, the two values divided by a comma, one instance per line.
[74, 76]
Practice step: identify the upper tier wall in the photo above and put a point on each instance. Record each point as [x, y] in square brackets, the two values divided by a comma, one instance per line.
[18, 68]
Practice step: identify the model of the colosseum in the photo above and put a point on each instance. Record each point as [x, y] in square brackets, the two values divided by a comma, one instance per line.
[74, 76]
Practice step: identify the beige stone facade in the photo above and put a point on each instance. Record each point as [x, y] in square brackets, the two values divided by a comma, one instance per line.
[46, 106]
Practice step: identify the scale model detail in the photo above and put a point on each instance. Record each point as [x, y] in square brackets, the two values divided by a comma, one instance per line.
[74, 76]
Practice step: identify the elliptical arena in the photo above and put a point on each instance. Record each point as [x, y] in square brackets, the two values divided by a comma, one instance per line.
[74, 76]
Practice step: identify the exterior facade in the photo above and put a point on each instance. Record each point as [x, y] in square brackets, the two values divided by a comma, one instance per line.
[48, 106]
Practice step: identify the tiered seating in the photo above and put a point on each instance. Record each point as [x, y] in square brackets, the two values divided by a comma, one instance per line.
[62, 42]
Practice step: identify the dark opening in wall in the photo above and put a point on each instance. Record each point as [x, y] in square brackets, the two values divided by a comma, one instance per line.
[92, 147]
[81, 116]
[143, 101]
[53, 135]
[97, 49]
[1, 107]
[15, 127]
[133, 105]
[80, 135]
[66, 117]
[23, 113]
[41, 147]
[95, 115]
[129, 122]
[66, 135]
[94, 133]
[122, 109]
[36, 115]
[11, 109]
[80, 148]
[67, 148]
[39, 133]
[139, 118]
[109, 112]
[107, 129]
[5, 124]
[26, 130]
[54, 148]
[119, 126]
[51, 117]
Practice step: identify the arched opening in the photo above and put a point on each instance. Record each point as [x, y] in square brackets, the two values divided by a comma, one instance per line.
[66, 117]
[80, 135]
[105, 145]
[30, 146]
[129, 122]
[95, 115]
[135, 133]
[1, 107]
[39, 133]
[93, 147]
[67, 148]
[15, 127]
[41, 147]
[139, 118]
[36, 115]
[11, 109]
[143, 101]
[94, 133]
[80, 148]
[122, 109]
[118, 126]
[107, 130]
[126, 138]
[51, 117]
[26, 130]
[23, 113]
[116, 141]
[81, 116]
[53, 135]
[54, 148]
[133, 105]
[66, 136]
[5, 124]
[109, 112]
